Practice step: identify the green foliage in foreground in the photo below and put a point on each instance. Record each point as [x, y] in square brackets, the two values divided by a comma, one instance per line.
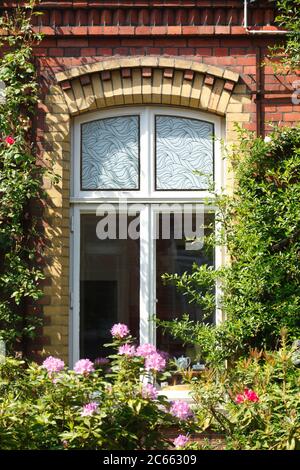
[39, 410]
[261, 235]
[271, 421]
[253, 405]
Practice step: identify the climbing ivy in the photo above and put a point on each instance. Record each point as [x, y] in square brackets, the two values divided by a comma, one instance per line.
[20, 180]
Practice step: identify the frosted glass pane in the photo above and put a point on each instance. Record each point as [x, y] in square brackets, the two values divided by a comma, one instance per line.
[183, 146]
[110, 153]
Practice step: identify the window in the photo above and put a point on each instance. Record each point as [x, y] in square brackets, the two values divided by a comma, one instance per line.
[139, 177]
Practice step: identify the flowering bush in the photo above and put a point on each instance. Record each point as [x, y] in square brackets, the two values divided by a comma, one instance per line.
[248, 395]
[53, 364]
[180, 441]
[84, 367]
[119, 330]
[265, 416]
[181, 410]
[50, 407]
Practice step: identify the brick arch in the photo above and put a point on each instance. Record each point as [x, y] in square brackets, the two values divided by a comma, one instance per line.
[147, 80]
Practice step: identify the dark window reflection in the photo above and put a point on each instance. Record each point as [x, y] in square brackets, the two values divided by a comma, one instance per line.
[173, 257]
[109, 287]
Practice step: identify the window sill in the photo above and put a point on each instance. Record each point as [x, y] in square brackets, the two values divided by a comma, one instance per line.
[177, 392]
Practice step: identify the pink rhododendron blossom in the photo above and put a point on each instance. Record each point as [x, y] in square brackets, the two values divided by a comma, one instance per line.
[248, 395]
[119, 330]
[90, 409]
[155, 362]
[53, 365]
[9, 140]
[181, 410]
[127, 350]
[145, 350]
[84, 366]
[164, 354]
[180, 441]
[149, 391]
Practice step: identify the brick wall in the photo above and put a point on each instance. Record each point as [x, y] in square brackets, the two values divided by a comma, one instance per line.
[78, 33]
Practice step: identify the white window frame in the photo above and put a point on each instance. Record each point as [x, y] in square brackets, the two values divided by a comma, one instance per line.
[84, 202]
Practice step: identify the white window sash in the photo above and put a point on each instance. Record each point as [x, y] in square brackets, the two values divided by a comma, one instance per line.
[83, 202]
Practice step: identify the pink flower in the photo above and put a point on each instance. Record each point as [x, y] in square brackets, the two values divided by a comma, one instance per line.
[119, 330]
[127, 350]
[9, 140]
[248, 395]
[239, 398]
[164, 354]
[90, 409]
[53, 364]
[149, 391]
[155, 362]
[84, 367]
[180, 441]
[181, 410]
[251, 395]
[145, 350]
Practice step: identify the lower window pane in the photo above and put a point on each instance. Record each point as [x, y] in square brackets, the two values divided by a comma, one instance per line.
[174, 255]
[109, 286]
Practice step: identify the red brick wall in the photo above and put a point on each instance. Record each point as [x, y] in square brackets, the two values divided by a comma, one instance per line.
[77, 32]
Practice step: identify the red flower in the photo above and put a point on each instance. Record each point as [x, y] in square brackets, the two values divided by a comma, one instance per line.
[239, 398]
[248, 395]
[9, 140]
[251, 395]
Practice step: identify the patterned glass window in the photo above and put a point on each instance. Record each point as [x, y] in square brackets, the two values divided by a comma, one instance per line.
[184, 153]
[110, 154]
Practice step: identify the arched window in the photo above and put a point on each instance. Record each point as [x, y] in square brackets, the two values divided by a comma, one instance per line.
[141, 177]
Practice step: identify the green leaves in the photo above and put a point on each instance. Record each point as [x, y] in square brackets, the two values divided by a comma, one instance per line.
[273, 422]
[261, 234]
[38, 411]
[20, 179]
[288, 19]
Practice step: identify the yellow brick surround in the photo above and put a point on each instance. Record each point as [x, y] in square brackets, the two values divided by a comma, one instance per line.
[109, 83]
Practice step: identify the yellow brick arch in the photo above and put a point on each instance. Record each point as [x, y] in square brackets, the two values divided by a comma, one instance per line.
[147, 80]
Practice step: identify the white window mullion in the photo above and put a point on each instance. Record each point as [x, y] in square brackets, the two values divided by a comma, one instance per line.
[146, 263]
[152, 272]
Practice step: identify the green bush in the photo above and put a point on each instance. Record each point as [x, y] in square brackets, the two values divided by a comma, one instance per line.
[104, 407]
[287, 53]
[256, 404]
[21, 233]
[261, 234]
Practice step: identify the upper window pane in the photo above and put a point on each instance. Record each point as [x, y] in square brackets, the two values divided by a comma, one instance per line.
[110, 154]
[183, 146]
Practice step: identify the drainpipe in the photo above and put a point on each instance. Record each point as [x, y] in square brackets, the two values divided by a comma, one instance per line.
[258, 31]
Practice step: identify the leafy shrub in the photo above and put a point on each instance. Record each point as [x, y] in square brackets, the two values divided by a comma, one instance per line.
[288, 51]
[107, 407]
[261, 234]
[256, 404]
[21, 234]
